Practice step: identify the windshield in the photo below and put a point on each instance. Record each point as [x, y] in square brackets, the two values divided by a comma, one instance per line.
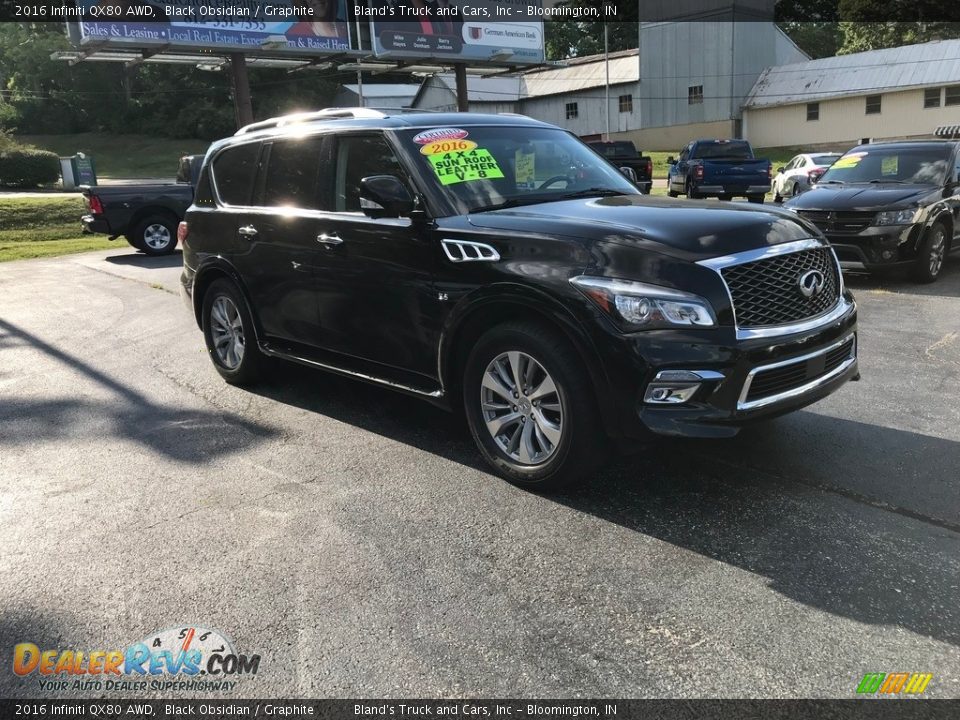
[485, 168]
[722, 151]
[925, 165]
[824, 159]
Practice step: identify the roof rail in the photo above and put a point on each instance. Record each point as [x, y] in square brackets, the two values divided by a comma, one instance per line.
[325, 114]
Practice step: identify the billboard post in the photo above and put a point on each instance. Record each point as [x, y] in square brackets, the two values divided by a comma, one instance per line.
[460, 74]
[242, 106]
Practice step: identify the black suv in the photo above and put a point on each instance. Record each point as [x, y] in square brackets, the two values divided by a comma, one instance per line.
[495, 264]
[890, 205]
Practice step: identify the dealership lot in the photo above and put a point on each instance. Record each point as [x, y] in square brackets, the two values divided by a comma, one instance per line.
[354, 540]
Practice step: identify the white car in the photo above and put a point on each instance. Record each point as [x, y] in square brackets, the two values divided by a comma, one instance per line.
[800, 174]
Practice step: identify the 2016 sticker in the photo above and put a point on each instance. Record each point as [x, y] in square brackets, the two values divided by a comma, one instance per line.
[465, 166]
[445, 146]
[428, 136]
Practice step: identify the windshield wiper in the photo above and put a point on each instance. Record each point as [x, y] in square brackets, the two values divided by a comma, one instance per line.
[513, 202]
[882, 182]
[591, 192]
[830, 182]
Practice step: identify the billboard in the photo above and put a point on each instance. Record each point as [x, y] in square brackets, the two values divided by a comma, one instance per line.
[461, 30]
[295, 26]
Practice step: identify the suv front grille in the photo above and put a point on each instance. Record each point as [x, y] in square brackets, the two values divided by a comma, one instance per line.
[767, 292]
[847, 222]
[778, 380]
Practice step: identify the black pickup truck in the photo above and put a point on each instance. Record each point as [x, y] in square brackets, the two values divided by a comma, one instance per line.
[147, 215]
[624, 153]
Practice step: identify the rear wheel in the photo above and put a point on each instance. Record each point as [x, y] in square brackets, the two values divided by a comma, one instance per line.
[933, 250]
[758, 199]
[725, 197]
[796, 190]
[691, 193]
[155, 235]
[531, 408]
[229, 334]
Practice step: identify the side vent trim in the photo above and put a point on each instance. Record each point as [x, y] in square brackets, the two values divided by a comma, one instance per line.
[459, 251]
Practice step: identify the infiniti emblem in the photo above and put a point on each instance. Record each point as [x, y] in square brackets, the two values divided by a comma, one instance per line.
[812, 283]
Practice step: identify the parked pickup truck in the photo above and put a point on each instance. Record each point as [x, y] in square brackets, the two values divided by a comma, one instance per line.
[147, 215]
[718, 168]
[624, 153]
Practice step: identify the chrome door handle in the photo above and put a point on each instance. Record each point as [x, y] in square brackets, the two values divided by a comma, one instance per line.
[248, 231]
[329, 239]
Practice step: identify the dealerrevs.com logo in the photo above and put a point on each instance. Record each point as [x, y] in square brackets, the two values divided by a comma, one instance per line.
[183, 658]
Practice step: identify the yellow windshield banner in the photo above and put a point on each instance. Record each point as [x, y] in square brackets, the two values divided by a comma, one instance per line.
[465, 166]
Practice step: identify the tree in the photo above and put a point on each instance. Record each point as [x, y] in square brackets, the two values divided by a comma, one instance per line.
[812, 25]
[876, 24]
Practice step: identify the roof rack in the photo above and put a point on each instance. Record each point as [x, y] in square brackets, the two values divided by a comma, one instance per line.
[325, 114]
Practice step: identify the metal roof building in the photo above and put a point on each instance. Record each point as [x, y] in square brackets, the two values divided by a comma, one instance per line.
[895, 93]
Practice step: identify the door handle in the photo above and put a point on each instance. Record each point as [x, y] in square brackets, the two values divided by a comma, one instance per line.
[248, 231]
[329, 239]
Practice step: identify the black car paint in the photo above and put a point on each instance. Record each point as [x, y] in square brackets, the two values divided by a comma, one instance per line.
[390, 307]
[938, 202]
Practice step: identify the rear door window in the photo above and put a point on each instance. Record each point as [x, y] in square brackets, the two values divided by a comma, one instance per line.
[234, 171]
[294, 169]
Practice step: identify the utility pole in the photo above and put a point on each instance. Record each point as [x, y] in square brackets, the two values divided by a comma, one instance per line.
[243, 108]
[460, 73]
[360, 72]
[606, 91]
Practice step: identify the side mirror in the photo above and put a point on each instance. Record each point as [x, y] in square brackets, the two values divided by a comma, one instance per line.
[385, 196]
[671, 160]
[629, 174]
[780, 169]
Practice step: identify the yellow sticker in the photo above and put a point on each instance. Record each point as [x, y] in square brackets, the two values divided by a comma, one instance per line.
[464, 166]
[889, 165]
[525, 169]
[849, 161]
[445, 146]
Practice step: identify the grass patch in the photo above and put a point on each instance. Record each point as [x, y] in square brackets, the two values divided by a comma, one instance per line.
[122, 156]
[44, 227]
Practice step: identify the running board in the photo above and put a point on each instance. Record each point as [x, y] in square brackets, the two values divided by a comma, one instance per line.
[266, 349]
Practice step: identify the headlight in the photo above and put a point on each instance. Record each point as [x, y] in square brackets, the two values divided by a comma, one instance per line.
[896, 217]
[639, 306]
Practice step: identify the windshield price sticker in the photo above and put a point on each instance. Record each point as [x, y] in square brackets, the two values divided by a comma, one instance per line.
[465, 166]
[445, 146]
[849, 161]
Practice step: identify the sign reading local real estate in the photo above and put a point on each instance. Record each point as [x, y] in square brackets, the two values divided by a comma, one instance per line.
[462, 30]
[297, 26]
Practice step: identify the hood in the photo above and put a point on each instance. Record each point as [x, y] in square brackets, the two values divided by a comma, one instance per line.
[684, 229]
[890, 196]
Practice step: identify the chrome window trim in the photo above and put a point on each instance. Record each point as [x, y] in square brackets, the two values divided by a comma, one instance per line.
[742, 403]
[717, 264]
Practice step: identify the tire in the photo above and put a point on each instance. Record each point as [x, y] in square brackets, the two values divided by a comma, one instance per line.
[673, 194]
[725, 198]
[796, 189]
[756, 199]
[223, 300]
[155, 235]
[565, 442]
[691, 193]
[777, 199]
[933, 252]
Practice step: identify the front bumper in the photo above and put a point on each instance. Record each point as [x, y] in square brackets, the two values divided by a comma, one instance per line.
[877, 247]
[821, 360]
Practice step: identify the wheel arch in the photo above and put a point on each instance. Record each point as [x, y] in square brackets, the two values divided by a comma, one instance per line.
[945, 218]
[206, 276]
[498, 305]
[142, 213]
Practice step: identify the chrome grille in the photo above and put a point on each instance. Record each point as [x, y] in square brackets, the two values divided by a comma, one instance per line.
[838, 221]
[767, 292]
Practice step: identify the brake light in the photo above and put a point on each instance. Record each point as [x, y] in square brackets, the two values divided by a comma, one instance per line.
[698, 172]
[96, 207]
[769, 172]
[650, 168]
[815, 175]
[182, 232]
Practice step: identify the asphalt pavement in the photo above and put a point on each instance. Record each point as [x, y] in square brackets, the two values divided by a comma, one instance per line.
[354, 540]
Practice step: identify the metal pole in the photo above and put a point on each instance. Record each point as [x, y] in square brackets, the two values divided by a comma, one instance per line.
[460, 73]
[606, 55]
[242, 106]
[360, 72]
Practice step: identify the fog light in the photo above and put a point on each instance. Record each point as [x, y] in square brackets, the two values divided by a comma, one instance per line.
[674, 387]
[886, 254]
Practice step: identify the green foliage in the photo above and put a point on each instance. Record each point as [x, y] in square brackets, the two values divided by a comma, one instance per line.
[44, 226]
[27, 167]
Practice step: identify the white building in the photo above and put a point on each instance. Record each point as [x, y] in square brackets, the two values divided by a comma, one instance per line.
[386, 95]
[904, 92]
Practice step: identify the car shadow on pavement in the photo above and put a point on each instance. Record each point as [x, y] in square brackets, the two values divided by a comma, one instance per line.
[947, 285]
[150, 262]
[186, 435]
[26, 624]
[841, 549]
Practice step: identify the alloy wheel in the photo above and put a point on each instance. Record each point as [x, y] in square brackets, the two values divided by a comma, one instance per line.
[226, 331]
[938, 247]
[522, 408]
[157, 236]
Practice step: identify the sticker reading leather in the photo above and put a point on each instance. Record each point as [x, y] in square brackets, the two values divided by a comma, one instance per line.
[464, 166]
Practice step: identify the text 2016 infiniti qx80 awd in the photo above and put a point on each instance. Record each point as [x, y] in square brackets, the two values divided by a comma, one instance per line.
[498, 266]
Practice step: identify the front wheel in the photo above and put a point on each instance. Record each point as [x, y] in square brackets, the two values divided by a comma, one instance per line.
[229, 334]
[531, 408]
[933, 250]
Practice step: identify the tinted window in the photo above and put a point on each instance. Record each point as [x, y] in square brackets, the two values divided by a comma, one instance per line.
[233, 173]
[293, 173]
[824, 159]
[359, 157]
[725, 150]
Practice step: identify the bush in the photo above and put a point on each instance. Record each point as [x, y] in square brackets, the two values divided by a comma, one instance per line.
[25, 167]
